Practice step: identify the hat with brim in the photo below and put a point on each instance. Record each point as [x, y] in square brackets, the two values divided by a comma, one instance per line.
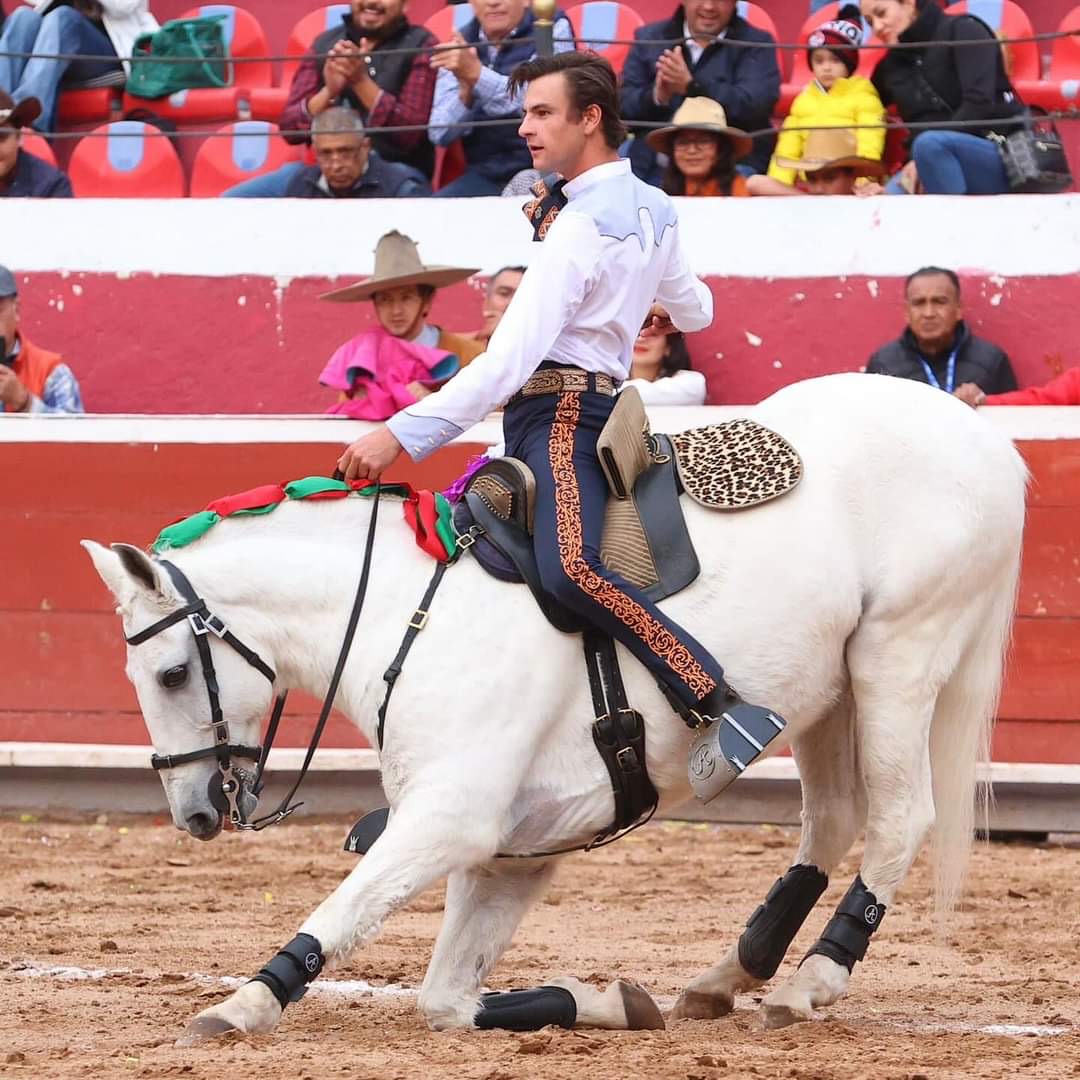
[397, 264]
[21, 115]
[700, 114]
[832, 148]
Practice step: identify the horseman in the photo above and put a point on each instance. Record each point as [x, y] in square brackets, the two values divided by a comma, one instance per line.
[610, 263]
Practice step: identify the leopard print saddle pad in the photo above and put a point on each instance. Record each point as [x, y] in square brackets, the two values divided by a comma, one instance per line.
[735, 465]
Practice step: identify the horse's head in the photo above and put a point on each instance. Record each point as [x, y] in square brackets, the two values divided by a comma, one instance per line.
[197, 752]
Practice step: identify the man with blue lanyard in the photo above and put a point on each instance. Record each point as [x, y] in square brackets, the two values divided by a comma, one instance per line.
[937, 347]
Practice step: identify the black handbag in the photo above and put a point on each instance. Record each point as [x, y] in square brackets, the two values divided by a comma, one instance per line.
[1034, 157]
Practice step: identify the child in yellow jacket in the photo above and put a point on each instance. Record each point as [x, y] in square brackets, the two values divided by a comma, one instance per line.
[836, 98]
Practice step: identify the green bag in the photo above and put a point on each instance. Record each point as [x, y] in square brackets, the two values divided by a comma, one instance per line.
[197, 57]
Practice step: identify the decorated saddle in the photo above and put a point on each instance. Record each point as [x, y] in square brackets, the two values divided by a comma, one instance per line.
[731, 466]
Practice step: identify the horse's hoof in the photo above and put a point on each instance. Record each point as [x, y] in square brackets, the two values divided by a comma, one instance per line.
[641, 1011]
[780, 1016]
[694, 1005]
[204, 1028]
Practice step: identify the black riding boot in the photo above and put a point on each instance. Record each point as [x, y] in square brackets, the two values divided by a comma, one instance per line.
[731, 733]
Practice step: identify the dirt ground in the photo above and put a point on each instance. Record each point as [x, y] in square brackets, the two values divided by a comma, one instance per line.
[166, 917]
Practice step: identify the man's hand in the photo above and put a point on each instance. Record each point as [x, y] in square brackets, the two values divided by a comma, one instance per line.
[13, 394]
[370, 456]
[463, 64]
[343, 67]
[672, 75]
[657, 323]
[970, 394]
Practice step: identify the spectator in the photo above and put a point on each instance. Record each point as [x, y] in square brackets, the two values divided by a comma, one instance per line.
[387, 91]
[701, 151]
[657, 78]
[947, 86]
[347, 167]
[1063, 390]
[836, 97]
[404, 358]
[660, 369]
[82, 27]
[31, 379]
[23, 174]
[472, 86]
[831, 166]
[937, 347]
[497, 296]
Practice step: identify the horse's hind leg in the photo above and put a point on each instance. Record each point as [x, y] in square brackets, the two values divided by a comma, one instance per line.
[484, 906]
[830, 791]
[895, 686]
[419, 847]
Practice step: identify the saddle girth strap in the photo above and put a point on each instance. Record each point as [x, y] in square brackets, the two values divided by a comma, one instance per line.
[619, 735]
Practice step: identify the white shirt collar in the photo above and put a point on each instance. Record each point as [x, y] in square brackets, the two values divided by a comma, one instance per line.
[597, 174]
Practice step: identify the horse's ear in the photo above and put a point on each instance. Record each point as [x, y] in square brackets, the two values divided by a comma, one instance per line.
[124, 569]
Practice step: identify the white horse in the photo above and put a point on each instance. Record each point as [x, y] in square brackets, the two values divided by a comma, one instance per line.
[870, 607]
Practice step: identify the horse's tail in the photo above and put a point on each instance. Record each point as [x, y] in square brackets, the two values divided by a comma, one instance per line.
[960, 735]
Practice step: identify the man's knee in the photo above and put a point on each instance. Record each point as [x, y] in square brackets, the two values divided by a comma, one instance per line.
[22, 20]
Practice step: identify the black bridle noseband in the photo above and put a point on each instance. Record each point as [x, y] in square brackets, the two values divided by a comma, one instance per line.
[203, 623]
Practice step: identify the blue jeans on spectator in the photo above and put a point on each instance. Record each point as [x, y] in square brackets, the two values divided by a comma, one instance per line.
[956, 163]
[271, 185]
[469, 185]
[61, 31]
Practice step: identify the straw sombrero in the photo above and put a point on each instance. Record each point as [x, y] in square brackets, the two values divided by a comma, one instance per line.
[832, 148]
[700, 114]
[397, 263]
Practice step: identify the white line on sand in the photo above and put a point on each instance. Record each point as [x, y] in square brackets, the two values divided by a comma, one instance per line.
[360, 988]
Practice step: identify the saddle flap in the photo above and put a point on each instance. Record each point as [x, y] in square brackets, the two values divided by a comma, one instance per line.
[623, 445]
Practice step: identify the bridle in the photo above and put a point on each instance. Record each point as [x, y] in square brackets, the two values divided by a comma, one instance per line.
[227, 786]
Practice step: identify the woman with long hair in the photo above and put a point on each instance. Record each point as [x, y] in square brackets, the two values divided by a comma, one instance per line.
[701, 150]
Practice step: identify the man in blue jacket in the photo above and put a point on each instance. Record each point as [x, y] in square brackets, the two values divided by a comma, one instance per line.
[22, 174]
[658, 77]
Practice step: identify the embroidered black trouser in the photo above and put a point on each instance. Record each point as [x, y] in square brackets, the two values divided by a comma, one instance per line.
[555, 435]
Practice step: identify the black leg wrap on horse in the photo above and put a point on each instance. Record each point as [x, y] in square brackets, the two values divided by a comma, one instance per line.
[527, 1010]
[847, 934]
[289, 973]
[771, 929]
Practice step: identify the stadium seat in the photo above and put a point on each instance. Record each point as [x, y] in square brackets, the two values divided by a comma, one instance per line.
[268, 102]
[1007, 20]
[90, 106]
[757, 16]
[1061, 88]
[450, 18]
[601, 20]
[244, 36]
[251, 148]
[38, 145]
[126, 159]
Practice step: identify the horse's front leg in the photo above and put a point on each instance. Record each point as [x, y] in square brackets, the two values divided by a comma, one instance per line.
[423, 842]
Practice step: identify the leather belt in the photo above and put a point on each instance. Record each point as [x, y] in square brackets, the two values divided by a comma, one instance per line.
[566, 380]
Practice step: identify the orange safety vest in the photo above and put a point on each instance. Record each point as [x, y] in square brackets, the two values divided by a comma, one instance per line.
[34, 365]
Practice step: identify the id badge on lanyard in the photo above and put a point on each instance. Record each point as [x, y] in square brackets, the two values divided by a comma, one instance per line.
[950, 373]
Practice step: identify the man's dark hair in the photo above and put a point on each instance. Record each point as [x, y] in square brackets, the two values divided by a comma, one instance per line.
[590, 80]
[723, 170]
[933, 271]
[508, 269]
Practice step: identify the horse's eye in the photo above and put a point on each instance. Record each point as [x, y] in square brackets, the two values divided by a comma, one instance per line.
[175, 677]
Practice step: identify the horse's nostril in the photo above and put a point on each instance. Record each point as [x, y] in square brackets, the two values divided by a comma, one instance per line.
[203, 826]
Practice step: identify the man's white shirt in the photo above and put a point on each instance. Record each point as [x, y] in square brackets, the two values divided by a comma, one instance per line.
[611, 253]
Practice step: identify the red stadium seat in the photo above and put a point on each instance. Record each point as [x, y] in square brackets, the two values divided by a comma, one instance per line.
[1007, 20]
[37, 145]
[303, 35]
[126, 159]
[251, 148]
[244, 36]
[1061, 88]
[602, 20]
[757, 16]
[90, 106]
[450, 18]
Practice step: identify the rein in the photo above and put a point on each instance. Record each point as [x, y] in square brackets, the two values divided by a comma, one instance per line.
[203, 623]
